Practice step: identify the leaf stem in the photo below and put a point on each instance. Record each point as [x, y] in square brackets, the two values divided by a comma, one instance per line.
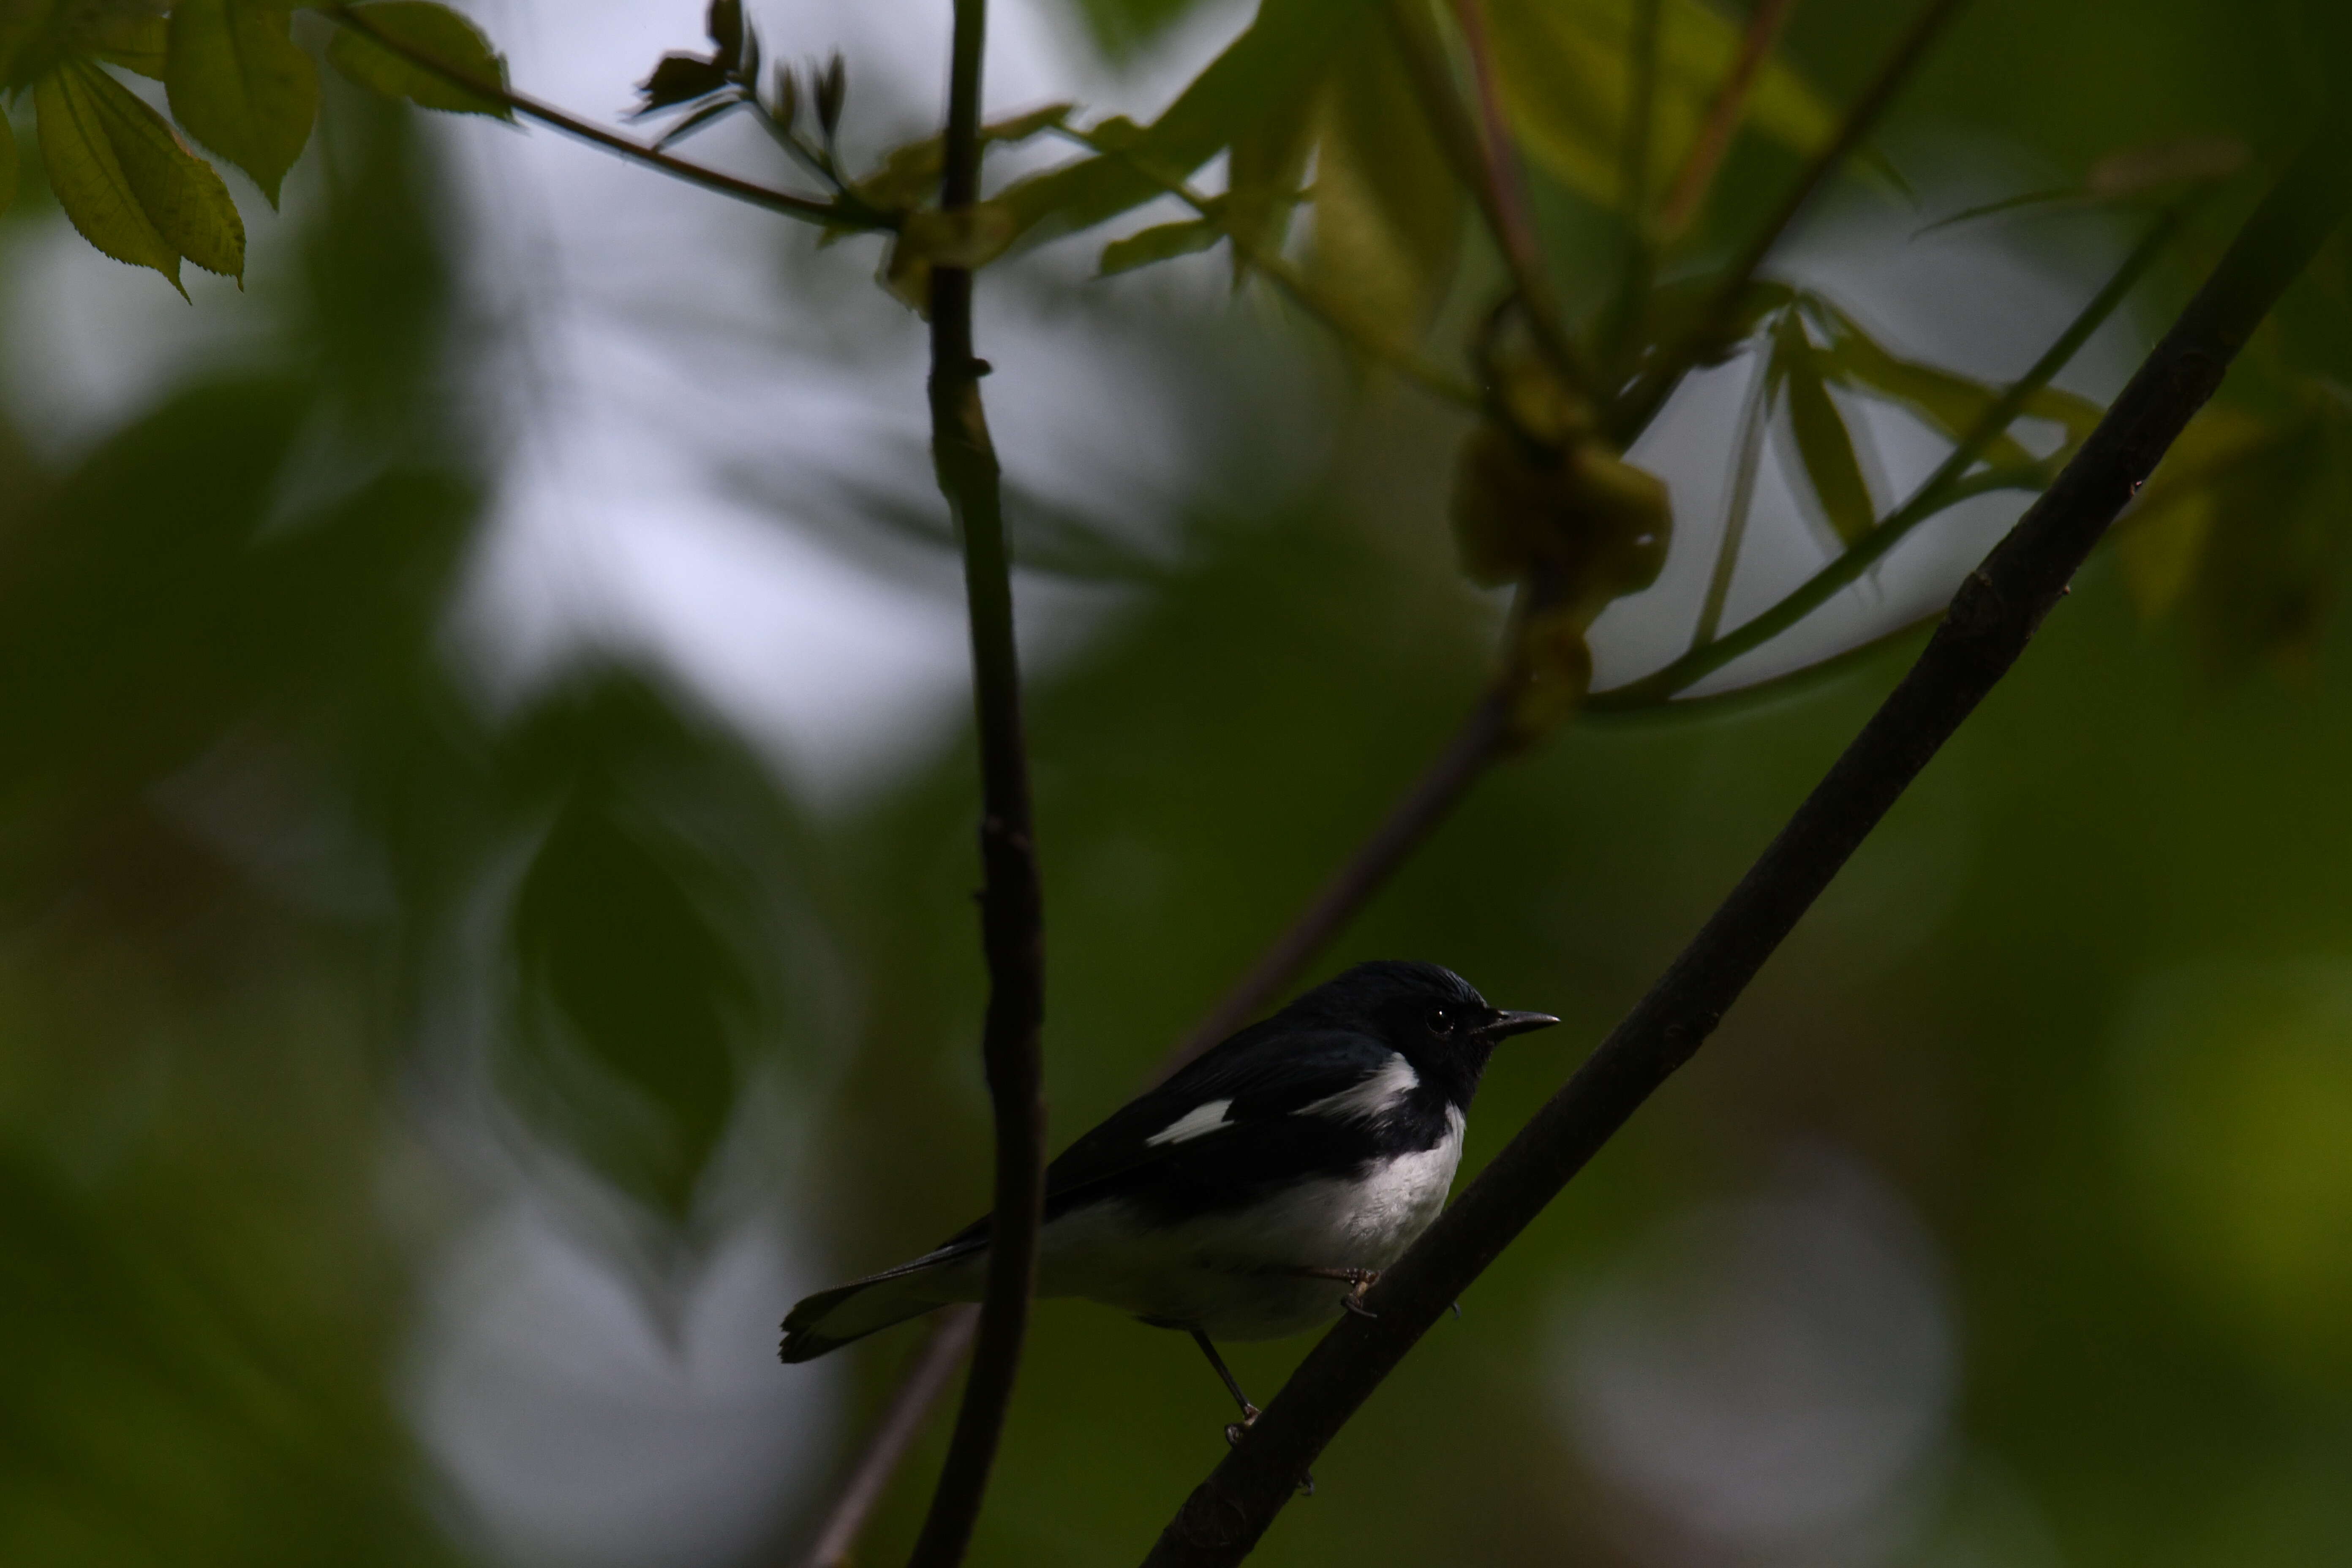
[1485, 159]
[1987, 627]
[1691, 183]
[1012, 905]
[835, 215]
[1650, 391]
[1747, 458]
[1932, 496]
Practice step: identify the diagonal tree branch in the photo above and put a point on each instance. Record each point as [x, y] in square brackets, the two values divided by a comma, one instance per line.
[1990, 620]
[807, 208]
[1011, 907]
[1697, 176]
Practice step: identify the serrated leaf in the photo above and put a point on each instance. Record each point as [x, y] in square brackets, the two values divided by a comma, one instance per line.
[239, 85]
[121, 36]
[1160, 242]
[1565, 83]
[1824, 445]
[125, 181]
[1388, 210]
[680, 78]
[422, 29]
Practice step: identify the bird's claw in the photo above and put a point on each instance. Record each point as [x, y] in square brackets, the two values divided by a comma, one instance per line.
[1234, 1429]
[1353, 1302]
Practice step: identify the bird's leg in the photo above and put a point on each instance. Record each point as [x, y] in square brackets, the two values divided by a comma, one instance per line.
[1360, 1280]
[1250, 1412]
[1232, 1386]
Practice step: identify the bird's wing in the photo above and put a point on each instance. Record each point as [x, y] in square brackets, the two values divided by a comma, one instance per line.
[1237, 1093]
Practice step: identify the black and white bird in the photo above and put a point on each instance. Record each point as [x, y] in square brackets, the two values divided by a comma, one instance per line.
[1305, 1152]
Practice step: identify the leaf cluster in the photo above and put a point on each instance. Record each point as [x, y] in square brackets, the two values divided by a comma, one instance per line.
[235, 81]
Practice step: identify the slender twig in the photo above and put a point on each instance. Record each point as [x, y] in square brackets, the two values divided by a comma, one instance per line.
[1485, 159]
[1483, 737]
[1650, 391]
[1687, 192]
[1012, 911]
[1623, 323]
[1987, 627]
[832, 214]
[1747, 457]
[924, 1379]
[1932, 496]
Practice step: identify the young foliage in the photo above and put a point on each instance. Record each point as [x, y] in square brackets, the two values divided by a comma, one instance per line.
[1388, 209]
[1568, 77]
[415, 29]
[238, 84]
[126, 181]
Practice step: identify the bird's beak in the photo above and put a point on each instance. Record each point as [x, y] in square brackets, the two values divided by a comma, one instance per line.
[1505, 1024]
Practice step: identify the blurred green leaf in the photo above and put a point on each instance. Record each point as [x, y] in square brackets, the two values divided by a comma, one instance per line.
[127, 183]
[126, 35]
[1824, 445]
[1565, 83]
[1159, 243]
[239, 85]
[1282, 54]
[1263, 168]
[433, 31]
[636, 1002]
[30, 33]
[1388, 209]
[908, 175]
[2243, 529]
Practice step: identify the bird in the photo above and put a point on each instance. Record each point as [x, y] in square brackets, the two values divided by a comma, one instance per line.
[1306, 1151]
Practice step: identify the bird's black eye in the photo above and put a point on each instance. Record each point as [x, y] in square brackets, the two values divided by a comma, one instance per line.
[1441, 1020]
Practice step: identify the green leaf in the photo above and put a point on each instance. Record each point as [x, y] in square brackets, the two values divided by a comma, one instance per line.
[1281, 55]
[1824, 446]
[419, 29]
[126, 182]
[1951, 403]
[133, 39]
[1263, 168]
[908, 175]
[1160, 242]
[30, 38]
[238, 84]
[1388, 210]
[1565, 82]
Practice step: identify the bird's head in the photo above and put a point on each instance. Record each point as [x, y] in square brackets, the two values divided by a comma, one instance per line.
[1431, 1015]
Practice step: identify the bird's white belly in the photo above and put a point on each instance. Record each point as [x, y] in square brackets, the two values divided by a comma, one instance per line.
[1233, 1276]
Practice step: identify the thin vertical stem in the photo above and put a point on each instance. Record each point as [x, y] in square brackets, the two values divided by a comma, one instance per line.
[1011, 907]
[1645, 396]
[1691, 183]
[1748, 458]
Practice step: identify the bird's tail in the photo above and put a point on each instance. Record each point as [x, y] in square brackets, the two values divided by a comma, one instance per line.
[832, 1319]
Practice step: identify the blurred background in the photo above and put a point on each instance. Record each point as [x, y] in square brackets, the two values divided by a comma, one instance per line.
[485, 837]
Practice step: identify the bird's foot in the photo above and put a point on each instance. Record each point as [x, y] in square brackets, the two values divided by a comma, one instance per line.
[1358, 1281]
[1234, 1429]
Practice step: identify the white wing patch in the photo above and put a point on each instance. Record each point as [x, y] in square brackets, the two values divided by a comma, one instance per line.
[1193, 1124]
[1377, 1094]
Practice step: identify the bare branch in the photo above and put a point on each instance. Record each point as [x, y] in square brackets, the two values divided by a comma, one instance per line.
[807, 209]
[924, 1380]
[1987, 626]
[1012, 905]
